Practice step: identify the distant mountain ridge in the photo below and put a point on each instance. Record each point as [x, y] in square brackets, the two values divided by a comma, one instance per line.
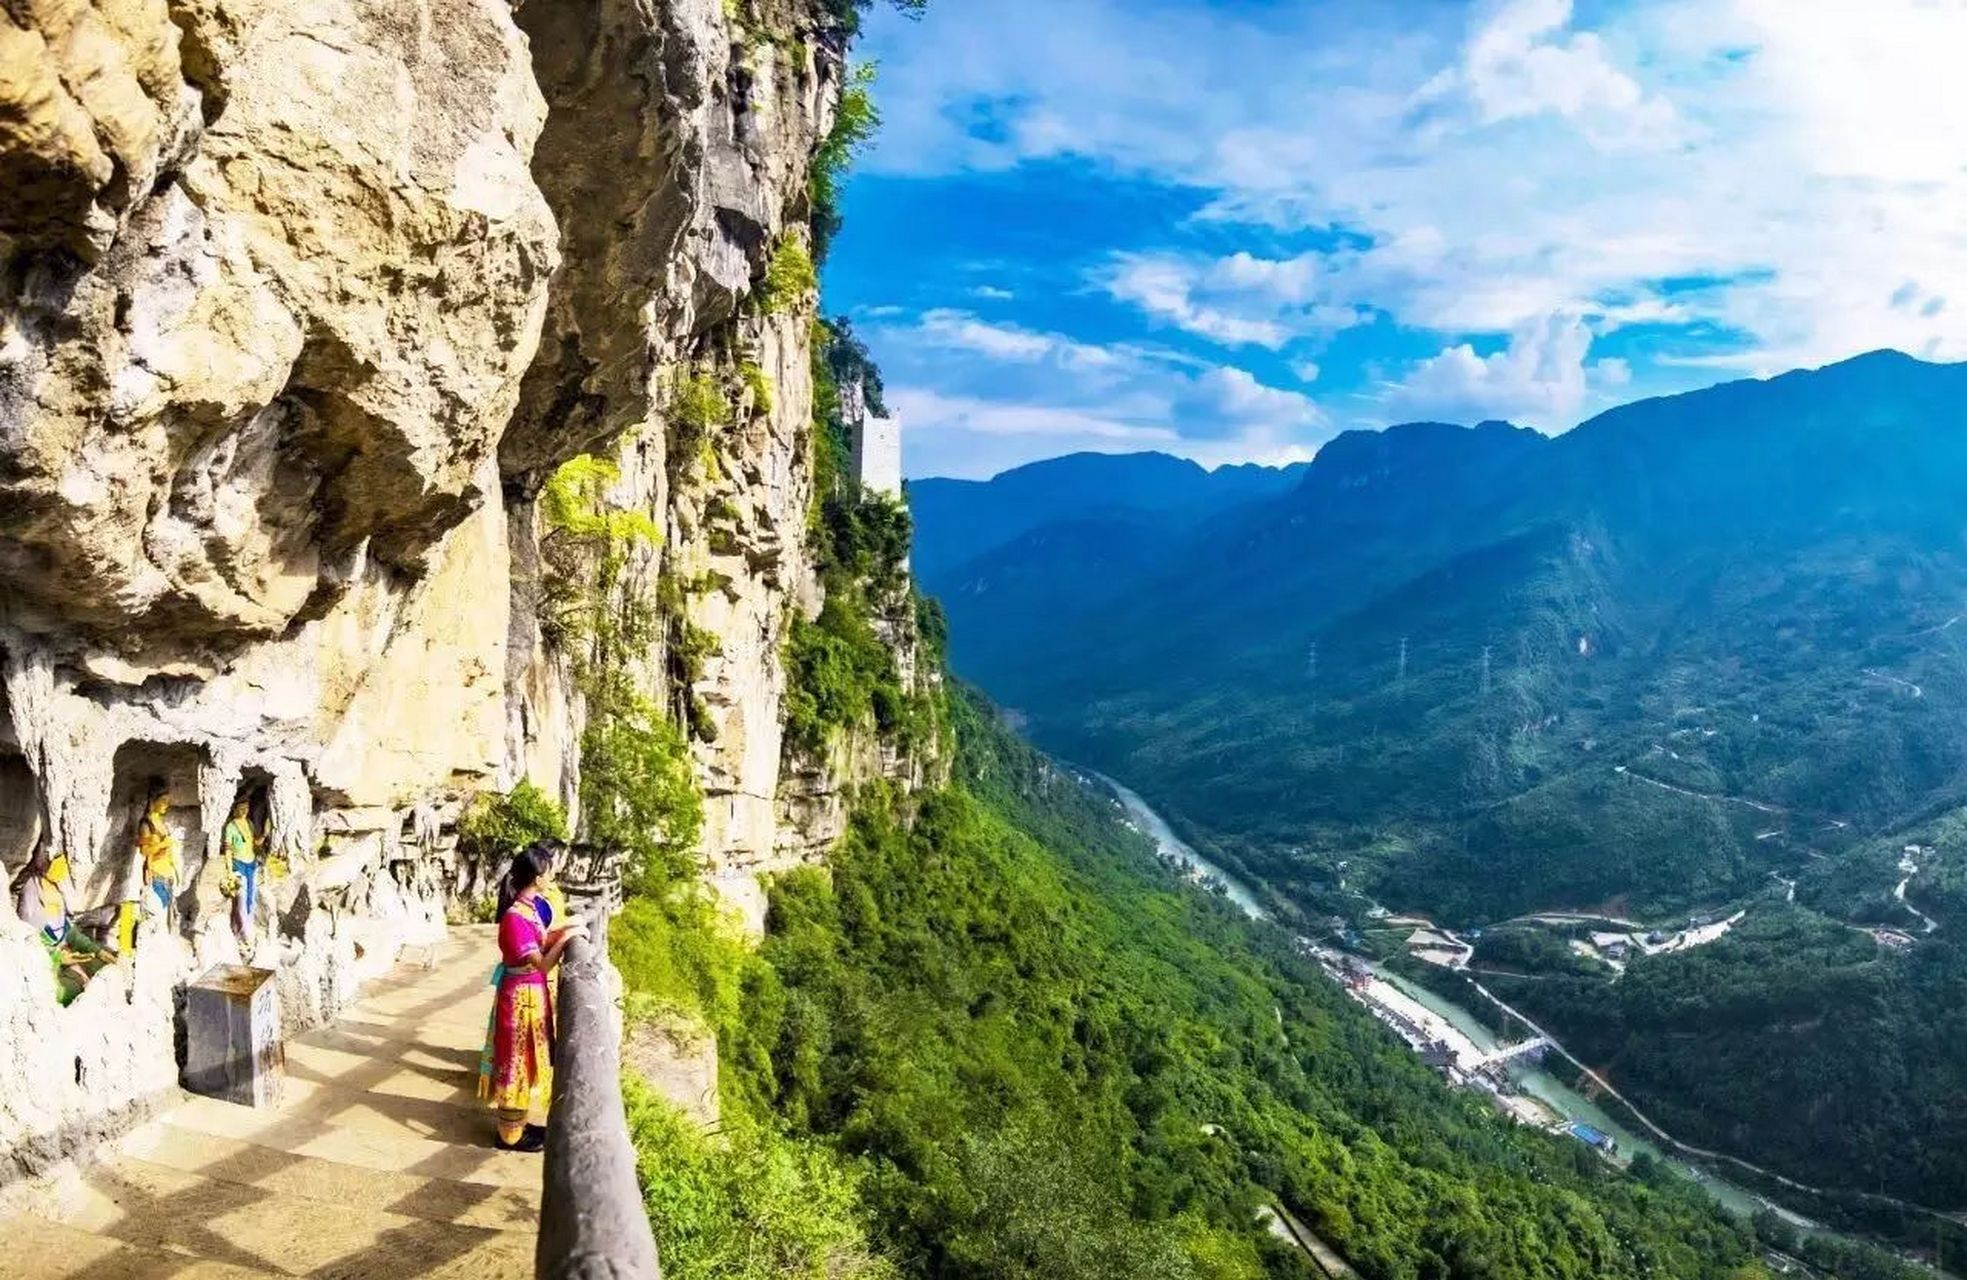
[957, 520]
[1176, 653]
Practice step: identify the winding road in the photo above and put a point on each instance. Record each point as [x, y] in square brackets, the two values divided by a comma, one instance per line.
[1911, 869]
[1757, 805]
[1907, 685]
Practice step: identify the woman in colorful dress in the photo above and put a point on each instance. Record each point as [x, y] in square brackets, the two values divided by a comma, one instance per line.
[516, 1072]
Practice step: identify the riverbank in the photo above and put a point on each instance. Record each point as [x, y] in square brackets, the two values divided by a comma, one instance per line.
[1172, 847]
[1472, 1055]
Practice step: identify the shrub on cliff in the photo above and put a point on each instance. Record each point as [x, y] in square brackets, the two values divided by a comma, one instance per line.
[495, 825]
[854, 126]
[638, 790]
[747, 1204]
[790, 278]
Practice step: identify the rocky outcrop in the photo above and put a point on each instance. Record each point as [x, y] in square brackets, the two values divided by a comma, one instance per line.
[301, 302]
[275, 323]
[675, 156]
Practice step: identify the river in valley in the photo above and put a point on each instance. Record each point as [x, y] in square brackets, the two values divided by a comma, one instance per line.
[1171, 846]
[1532, 1080]
[1574, 1106]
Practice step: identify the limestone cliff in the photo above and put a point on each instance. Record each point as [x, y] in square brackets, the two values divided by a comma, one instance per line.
[301, 304]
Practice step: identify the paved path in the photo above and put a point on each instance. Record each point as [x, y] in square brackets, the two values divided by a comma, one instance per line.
[376, 1163]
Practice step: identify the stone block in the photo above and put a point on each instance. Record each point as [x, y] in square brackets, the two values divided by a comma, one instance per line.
[232, 1036]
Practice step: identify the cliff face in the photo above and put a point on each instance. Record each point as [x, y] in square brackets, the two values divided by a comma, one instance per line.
[301, 303]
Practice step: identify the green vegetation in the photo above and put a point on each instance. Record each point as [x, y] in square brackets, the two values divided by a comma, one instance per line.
[842, 673]
[1531, 951]
[759, 383]
[574, 501]
[747, 1204]
[679, 955]
[1843, 1259]
[846, 14]
[855, 123]
[586, 543]
[1005, 965]
[1636, 669]
[697, 407]
[790, 277]
[494, 825]
[1798, 1038]
[638, 792]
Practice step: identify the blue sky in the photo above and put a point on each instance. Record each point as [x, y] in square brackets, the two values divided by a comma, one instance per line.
[1232, 230]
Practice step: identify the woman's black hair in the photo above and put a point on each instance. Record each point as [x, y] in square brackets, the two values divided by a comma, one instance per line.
[37, 864]
[520, 876]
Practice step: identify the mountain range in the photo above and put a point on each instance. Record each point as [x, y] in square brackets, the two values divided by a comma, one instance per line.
[1431, 649]
[1700, 654]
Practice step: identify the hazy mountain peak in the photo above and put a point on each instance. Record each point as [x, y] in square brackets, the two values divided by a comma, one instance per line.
[957, 520]
[1416, 451]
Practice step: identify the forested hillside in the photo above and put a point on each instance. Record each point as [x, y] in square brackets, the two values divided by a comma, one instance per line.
[997, 1039]
[1691, 651]
[1442, 643]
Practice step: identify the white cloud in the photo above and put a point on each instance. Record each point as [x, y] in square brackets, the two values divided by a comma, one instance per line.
[923, 410]
[991, 293]
[1229, 403]
[977, 436]
[1523, 61]
[1536, 379]
[960, 330]
[1165, 289]
[1789, 164]
[1238, 300]
[1012, 394]
[1305, 370]
[1611, 372]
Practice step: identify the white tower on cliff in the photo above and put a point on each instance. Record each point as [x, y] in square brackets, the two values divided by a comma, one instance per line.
[877, 443]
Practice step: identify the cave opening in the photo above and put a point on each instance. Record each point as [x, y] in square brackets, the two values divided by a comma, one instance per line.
[141, 770]
[246, 851]
[21, 809]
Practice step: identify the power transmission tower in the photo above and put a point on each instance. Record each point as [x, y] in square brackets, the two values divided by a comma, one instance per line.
[1311, 678]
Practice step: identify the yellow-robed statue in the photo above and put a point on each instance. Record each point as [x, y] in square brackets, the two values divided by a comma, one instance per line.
[157, 851]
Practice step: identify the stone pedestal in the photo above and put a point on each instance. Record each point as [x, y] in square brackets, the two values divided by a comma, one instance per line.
[232, 1036]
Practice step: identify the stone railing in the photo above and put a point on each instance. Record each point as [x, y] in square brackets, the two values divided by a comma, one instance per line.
[592, 1223]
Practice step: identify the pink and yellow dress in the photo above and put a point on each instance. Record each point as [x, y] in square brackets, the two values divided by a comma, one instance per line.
[515, 1074]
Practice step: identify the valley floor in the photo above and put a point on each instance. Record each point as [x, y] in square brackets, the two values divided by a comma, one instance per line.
[1472, 1056]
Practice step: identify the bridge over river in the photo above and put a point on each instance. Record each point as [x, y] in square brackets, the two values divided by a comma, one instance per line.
[377, 1160]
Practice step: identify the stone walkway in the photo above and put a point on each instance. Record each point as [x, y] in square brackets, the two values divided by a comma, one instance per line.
[376, 1163]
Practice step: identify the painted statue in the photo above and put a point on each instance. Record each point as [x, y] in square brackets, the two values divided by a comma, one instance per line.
[44, 904]
[242, 852]
[157, 854]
